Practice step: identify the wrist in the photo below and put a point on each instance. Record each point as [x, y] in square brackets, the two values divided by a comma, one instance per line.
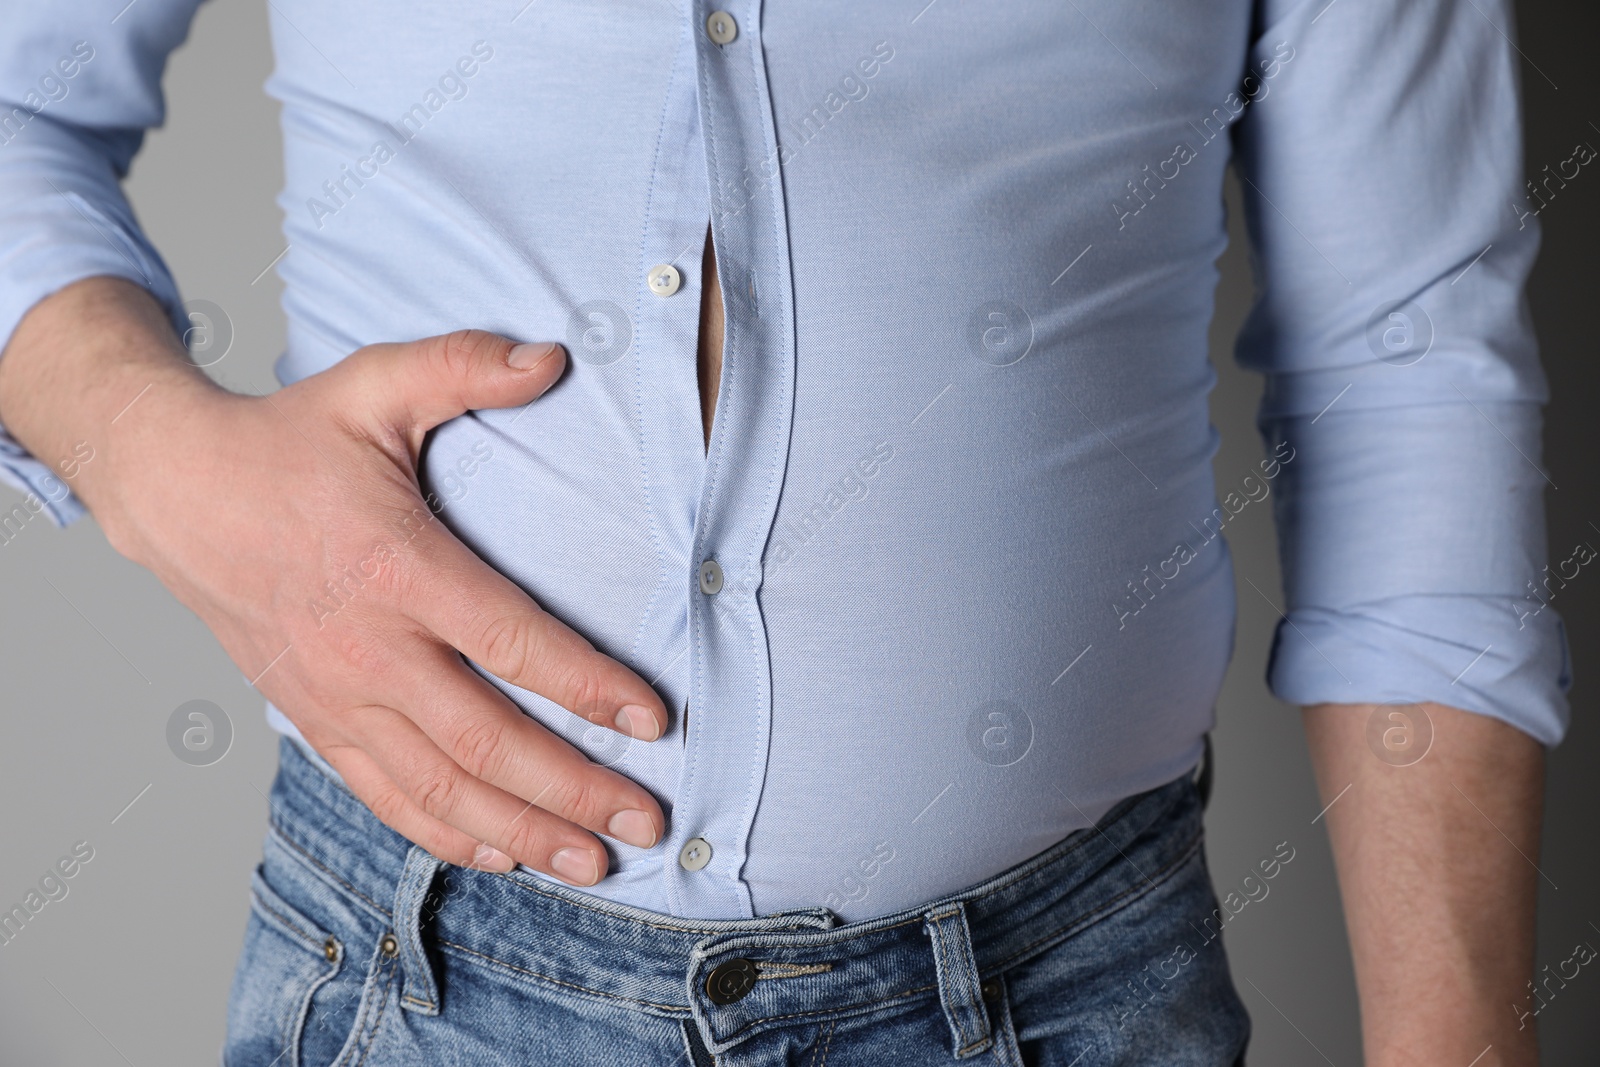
[161, 416]
[76, 378]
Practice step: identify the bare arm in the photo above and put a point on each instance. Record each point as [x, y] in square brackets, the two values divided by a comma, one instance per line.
[1436, 868]
[245, 507]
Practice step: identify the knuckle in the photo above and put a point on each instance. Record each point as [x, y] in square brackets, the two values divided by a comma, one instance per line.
[389, 806]
[507, 642]
[438, 791]
[578, 798]
[460, 351]
[583, 690]
[359, 650]
[527, 840]
[587, 694]
[480, 748]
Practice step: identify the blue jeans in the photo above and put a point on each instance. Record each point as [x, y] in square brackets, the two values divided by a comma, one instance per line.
[364, 951]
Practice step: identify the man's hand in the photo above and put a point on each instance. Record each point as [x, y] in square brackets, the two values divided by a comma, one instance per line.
[1436, 868]
[245, 507]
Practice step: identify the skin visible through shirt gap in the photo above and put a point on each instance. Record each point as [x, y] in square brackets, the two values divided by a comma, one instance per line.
[710, 360]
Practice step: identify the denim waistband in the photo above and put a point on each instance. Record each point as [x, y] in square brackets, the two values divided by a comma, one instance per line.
[733, 977]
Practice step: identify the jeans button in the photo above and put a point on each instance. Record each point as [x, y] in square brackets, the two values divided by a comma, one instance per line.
[730, 981]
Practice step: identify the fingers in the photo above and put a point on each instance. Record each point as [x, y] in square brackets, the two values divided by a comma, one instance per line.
[397, 812]
[473, 608]
[425, 784]
[490, 739]
[419, 384]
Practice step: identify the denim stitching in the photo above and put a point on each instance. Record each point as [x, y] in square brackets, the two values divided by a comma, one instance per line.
[847, 1009]
[363, 1007]
[944, 960]
[416, 962]
[255, 898]
[272, 825]
[825, 1046]
[767, 969]
[383, 1002]
[1127, 896]
[360, 1027]
[654, 926]
[680, 1007]
[1006, 1049]
[557, 981]
[1050, 857]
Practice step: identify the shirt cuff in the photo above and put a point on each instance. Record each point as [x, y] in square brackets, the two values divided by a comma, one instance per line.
[1503, 657]
[75, 240]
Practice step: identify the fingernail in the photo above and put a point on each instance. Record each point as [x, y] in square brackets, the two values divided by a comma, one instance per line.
[636, 721]
[633, 826]
[576, 865]
[492, 859]
[529, 356]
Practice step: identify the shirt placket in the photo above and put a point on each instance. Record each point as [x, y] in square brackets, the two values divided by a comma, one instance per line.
[730, 683]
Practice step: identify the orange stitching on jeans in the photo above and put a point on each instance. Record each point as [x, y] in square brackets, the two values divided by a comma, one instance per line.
[353, 1040]
[378, 1021]
[664, 926]
[556, 981]
[284, 919]
[768, 969]
[283, 836]
[825, 1046]
[942, 947]
[861, 1008]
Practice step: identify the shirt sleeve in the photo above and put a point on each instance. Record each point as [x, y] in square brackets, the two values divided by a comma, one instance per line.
[79, 85]
[1381, 160]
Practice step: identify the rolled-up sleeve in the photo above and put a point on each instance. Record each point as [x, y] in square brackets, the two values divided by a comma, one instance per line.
[79, 85]
[1381, 163]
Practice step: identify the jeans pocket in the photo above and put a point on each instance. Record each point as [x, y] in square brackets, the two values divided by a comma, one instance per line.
[286, 959]
[297, 993]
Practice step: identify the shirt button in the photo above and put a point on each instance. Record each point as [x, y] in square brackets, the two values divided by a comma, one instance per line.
[721, 28]
[730, 981]
[664, 279]
[695, 854]
[710, 577]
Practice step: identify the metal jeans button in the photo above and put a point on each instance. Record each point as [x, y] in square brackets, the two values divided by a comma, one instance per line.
[730, 981]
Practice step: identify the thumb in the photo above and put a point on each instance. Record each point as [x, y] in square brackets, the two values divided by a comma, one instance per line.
[416, 385]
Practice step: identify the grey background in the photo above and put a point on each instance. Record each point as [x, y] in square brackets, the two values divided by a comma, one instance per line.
[133, 966]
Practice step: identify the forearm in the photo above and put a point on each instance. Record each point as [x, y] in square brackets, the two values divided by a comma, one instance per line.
[77, 369]
[1436, 869]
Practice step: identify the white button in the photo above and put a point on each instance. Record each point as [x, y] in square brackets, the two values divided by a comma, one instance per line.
[664, 279]
[721, 28]
[696, 853]
[710, 577]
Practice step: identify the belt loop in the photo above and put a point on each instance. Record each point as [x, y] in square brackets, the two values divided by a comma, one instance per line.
[418, 990]
[958, 979]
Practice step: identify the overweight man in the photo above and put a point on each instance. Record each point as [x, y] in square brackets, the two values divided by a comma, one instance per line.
[735, 559]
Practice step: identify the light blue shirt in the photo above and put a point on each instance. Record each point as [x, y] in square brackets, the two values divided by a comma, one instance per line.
[959, 488]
